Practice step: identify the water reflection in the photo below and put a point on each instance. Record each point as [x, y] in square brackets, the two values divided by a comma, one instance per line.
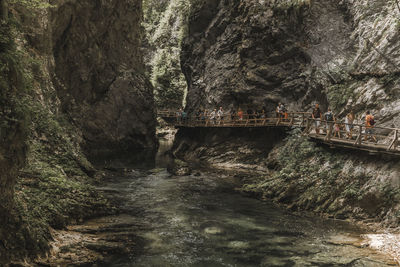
[201, 221]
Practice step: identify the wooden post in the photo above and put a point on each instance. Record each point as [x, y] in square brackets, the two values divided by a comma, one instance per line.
[292, 119]
[308, 127]
[394, 142]
[359, 137]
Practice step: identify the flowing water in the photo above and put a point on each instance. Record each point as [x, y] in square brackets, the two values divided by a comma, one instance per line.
[199, 220]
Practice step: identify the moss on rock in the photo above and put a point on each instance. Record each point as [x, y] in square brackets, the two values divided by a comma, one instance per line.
[308, 176]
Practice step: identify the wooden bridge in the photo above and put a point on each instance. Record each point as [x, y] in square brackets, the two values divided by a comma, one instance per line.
[383, 140]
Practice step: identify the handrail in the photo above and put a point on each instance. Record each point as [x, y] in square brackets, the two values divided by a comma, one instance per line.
[361, 136]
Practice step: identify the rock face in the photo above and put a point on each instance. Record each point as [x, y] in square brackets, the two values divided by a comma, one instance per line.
[100, 73]
[247, 54]
[255, 53]
[71, 79]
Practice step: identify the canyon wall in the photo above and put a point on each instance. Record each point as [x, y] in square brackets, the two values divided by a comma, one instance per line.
[341, 54]
[72, 87]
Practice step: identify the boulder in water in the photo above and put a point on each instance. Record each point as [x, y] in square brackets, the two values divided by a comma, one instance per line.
[179, 168]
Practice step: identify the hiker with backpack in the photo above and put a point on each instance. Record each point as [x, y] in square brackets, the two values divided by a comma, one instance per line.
[329, 121]
[369, 125]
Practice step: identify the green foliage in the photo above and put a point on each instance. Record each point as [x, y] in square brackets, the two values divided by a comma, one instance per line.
[53, 188]
[339, 94]
[165, 23]
[14, 81]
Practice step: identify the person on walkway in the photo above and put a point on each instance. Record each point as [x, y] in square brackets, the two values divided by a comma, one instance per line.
[179, 115]
[220, 115]
[250, 114]
[184, 117]
[233, 115]
[204, 116]
[317, 116]
[284, 113]
[240, 114]
[369, 125]
[213, 116]
[263, 113]
[198, 114]
[278, 110]
[337, 128]
[329, 121]
[349, 120]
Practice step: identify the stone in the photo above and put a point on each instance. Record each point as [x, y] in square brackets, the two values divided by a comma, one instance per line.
[179, 168]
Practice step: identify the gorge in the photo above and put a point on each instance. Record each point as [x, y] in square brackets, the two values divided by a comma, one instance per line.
[80, 85]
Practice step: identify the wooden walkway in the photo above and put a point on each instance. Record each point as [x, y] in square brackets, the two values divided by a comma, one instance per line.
[335, 135]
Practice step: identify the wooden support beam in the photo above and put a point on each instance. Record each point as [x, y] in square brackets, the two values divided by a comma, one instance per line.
[394, 142]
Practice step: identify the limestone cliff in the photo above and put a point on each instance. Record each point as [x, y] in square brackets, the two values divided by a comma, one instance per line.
[342, 54]
[255, 53]
[72, 86]
[100, 73]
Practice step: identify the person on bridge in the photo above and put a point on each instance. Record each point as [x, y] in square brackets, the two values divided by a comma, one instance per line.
[240, 114]
[317, 116]
[213, 116]
[184, 117]
[250, 115]
[278, 110]
[284, 113]
[233, 115]
[198, 114]
[179, 115]
[329, 121]
[349, 120]
[204, 116]
[263, 113]
[220, 115]
[369, 125]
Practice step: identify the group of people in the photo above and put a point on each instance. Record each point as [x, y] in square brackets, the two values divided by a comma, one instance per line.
[335, 126]
[217, 116]
[331, 124]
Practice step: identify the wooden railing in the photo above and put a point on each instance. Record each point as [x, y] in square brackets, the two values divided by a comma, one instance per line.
[247, 120]
[372, 139]
[376, 138]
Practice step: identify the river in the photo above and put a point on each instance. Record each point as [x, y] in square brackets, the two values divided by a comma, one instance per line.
[200, 220]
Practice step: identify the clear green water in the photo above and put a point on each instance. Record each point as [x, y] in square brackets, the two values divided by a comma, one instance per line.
[201, 221]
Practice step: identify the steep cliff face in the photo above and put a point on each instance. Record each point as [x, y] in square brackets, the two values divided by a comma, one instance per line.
[342, 54]
[12, 129]
[71, 82]
[100, 73]
[257, 53]
[247, 53]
